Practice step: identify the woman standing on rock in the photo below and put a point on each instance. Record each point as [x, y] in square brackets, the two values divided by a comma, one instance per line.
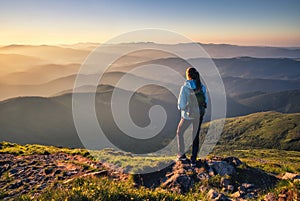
[192, 103]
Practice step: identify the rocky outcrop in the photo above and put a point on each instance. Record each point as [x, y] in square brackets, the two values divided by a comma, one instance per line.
[22, 174]
[218, 175]
[219, 178]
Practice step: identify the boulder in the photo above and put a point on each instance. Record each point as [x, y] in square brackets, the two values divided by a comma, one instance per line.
[212, 194]
[291, 176]
[224, 168]
[233, 160]
[180, 183]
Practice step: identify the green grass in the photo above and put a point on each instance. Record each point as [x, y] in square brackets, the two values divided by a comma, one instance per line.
[132, 163]
[31, 149]
[271, 130]
[105, 189]
[98, 189]
[270, 160]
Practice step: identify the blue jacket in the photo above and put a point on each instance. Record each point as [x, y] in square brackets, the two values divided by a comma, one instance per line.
[184, 98]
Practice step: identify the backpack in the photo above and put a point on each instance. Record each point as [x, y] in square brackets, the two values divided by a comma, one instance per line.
[197, 103]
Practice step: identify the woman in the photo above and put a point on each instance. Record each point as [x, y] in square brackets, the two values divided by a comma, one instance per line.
[192, 102]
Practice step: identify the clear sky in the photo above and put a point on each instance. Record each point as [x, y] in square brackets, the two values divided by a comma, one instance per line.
[255, 22]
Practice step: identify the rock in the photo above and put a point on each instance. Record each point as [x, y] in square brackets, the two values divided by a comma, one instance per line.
[221, 197]
[48, 170]
[97, 174]
[223, 168]
[13, 171]
[185, 183]
[203, 176]
[211, 172]
[286, 195]
[179, 183]
[236, 194]
[230, 188]
[57, 172]
[70, 173]
[233, 160]
[4, 168]
[250, 196]
[248, 186]
[242, 190]
[224, 182]
[41, 187]
[291, 176]
[16, 184]
[270, 197]
[212, 194]
[170, 174]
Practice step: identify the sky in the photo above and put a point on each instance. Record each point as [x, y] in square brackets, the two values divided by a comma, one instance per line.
[255, 22]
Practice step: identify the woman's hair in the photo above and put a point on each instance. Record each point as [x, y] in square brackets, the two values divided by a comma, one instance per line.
[193, 74]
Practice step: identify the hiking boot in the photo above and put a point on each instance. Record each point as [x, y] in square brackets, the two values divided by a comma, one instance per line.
[181, 158]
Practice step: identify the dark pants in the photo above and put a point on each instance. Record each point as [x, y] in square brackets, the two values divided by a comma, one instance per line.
[182, 126]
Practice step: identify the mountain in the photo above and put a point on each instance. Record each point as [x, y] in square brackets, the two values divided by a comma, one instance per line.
[48, 53]
[37, 120]
[227, 50]
[65, 84]
[283, 101]
[16, 62]
[236, 85]
[254, 68]
[39, 74]
[50, 121]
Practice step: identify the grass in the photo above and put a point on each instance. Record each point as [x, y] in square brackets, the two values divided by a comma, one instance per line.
[273, 161]
[271, 130]
[31, 149]
[131, 163]
[102, 189]
[98, 189]
[269, 160]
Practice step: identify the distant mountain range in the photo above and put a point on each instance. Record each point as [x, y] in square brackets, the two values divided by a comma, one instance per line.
[240, 75]
[36, 85]
[283, 101]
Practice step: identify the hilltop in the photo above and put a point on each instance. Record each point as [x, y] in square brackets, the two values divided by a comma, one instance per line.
[272, 130]
[43, 173]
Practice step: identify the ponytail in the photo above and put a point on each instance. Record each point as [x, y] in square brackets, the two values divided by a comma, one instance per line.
[194, 74]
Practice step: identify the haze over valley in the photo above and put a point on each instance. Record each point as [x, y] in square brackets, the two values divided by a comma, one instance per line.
[37, 84]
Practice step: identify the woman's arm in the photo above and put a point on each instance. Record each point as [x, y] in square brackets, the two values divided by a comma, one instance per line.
[182, 101]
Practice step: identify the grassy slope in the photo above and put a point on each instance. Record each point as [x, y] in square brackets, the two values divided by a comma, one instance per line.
[272, 130]
[30, 149]
[269, 160]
